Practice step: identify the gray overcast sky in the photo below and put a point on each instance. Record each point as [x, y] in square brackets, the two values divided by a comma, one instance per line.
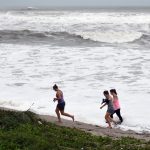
[50, 3]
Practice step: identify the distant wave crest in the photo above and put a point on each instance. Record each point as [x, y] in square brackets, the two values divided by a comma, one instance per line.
[102, 37]
[111, 37]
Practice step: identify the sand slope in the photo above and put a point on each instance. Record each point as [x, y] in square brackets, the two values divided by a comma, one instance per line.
[97, 130]
[93, 129]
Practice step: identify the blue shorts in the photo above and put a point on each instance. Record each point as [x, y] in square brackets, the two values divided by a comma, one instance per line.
[61, 106]
[110, 111]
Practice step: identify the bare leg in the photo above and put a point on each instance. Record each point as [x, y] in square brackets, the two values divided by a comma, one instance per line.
[111, 120]
[107, 116]
[58, 114]
[66, 114]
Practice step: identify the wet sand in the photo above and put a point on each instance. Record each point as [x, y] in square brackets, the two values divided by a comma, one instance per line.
[97, 130]
[93, 129]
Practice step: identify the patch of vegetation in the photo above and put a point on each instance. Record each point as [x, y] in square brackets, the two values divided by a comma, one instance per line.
[22, 131]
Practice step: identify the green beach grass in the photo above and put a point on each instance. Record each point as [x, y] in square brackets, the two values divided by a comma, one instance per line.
[23, 131]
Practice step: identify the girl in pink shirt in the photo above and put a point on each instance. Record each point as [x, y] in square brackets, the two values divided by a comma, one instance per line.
[116, 104]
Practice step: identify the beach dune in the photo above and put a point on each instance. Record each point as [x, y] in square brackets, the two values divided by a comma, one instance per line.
[97, 130]
[90, 128]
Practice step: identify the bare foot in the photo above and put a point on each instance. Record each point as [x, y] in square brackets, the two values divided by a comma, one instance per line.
[109, 127]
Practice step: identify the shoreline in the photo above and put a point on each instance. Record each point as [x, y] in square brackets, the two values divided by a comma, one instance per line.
[91, 128]
[97, 130]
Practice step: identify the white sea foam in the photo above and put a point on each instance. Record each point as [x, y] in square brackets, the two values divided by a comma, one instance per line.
[28, 73]
[111, 36]
[103, 27]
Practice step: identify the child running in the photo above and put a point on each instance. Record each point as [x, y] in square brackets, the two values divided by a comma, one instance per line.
[116, 104]
[110, 110]
[61, 104]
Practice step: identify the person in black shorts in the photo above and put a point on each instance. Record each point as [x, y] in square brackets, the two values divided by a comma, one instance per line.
[61, 104]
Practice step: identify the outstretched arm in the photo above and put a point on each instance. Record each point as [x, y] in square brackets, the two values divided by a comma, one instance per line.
[103, 105]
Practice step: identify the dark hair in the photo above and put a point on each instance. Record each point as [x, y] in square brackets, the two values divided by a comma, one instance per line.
[113, 91]
[106, 93]
[55, 87]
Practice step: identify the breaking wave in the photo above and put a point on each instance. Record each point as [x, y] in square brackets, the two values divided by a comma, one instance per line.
[102, 37]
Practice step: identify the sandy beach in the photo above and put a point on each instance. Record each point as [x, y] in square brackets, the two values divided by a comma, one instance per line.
[85, 51]
[91, 128]
[97, 130]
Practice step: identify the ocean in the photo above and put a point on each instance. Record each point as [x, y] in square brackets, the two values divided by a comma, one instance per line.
[83, 51]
